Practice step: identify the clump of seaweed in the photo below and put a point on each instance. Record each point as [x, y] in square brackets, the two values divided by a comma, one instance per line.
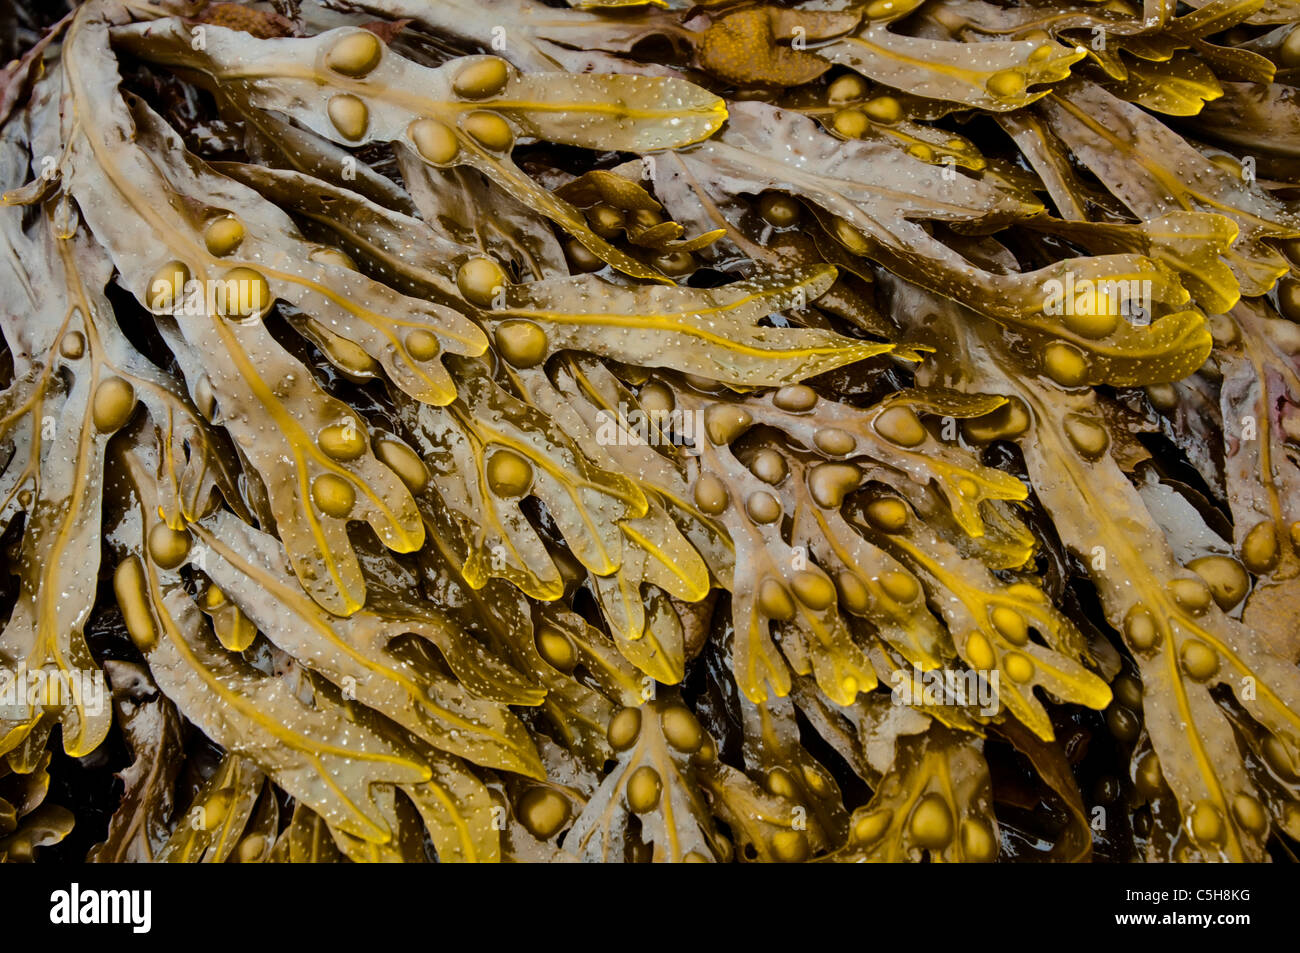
[653, 431]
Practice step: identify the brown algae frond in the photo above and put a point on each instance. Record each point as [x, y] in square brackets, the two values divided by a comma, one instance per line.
[862, 433]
